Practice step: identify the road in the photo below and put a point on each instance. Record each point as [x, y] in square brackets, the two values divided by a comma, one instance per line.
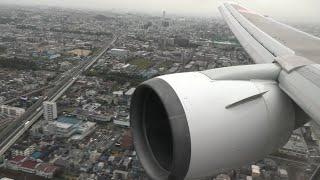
[11, 134]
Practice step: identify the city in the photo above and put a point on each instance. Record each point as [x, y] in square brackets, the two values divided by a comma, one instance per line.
[67, 77]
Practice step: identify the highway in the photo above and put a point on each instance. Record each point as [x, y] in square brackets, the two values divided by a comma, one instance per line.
[13, 132]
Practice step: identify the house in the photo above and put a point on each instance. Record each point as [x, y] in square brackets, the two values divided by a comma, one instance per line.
[15, 162]
[28, 166]
[46, 170]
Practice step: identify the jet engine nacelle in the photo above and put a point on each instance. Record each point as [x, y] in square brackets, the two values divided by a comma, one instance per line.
[187, 125]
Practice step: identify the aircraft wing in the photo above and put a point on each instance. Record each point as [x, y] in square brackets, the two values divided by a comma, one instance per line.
[246, 111]
[296, 52]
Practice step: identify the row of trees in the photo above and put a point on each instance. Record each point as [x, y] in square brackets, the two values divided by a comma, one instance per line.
[82, 32]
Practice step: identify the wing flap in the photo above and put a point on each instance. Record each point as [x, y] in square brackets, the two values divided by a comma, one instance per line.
[303, 86]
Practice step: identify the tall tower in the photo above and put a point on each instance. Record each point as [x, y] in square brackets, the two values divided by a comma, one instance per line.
[50, 110]
[164, 14]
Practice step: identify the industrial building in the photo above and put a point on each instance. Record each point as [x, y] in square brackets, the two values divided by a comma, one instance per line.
[69, 127]
[63, 127]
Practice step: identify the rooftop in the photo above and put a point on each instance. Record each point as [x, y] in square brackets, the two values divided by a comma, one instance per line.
[62, 125]
[17, 158]
[68, 120]
[30, 164]
[47, 168]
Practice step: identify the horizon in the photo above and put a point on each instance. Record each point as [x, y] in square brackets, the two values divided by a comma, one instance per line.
[299, 11]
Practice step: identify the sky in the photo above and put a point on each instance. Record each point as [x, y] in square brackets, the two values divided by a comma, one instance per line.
[283, 9]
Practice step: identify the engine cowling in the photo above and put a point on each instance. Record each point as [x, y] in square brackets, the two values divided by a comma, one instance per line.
[188, 126]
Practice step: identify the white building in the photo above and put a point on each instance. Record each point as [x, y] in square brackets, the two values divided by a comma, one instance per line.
[83, 130]
[122, 122]
[123, 53]
[117, 93]
[255, 171]
[283, 173]
[62, 129]
[21, 150]
[11, 111]
[50, 110]
[5, 178]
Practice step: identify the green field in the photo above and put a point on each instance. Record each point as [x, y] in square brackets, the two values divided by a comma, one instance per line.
[141, 63]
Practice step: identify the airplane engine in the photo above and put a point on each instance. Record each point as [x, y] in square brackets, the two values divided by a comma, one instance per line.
[187, 125]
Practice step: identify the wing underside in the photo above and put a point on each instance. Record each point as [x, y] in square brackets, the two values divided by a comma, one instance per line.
[269, 41]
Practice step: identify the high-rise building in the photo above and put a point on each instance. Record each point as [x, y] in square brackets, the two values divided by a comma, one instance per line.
[50, 111]
[165, 22]
[163, 43]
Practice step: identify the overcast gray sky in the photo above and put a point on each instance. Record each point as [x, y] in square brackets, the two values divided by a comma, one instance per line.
[294, 9]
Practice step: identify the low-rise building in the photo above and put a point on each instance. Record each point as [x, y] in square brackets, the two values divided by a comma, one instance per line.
[84, 130]
[92, 116]
[22, 149]
[11, 111]
[122, 122]
[283, 174]
[296, 146]
[121, 53]
[28, 166]
[255, 171]
[63, 127]
[15, 162]
[46, 170]
[117, 93]
[91, 106]
[118, 174]
[122, 119]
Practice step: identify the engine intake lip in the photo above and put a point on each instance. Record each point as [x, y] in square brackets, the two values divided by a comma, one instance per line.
[163, 147]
